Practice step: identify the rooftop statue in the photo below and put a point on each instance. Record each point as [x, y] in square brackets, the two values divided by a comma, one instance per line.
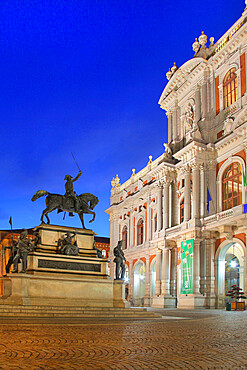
[69, 202]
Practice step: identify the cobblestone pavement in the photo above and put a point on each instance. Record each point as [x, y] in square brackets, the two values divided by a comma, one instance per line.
[181, 340]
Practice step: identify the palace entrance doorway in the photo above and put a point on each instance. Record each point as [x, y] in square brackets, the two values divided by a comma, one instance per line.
[230, 269]
[139, 284]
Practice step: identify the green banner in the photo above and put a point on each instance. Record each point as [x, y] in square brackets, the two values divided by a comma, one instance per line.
[187, 249]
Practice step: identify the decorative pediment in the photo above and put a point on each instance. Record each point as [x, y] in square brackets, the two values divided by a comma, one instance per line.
[192, 66]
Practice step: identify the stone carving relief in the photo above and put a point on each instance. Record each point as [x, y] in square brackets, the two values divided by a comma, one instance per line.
[189, 117]
[228, 125]
[192, 130]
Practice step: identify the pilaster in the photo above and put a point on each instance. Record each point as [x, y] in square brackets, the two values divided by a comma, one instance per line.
[166, 205]
[159, 203]
[166, 260]
[202, 190]
[197, 104]
[158, 273]
[147, 283]
[196, 190]
[187, 194]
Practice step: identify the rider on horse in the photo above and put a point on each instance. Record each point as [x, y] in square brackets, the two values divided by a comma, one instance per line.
[69, 187]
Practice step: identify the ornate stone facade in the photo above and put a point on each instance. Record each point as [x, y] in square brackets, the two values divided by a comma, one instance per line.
[194, 194]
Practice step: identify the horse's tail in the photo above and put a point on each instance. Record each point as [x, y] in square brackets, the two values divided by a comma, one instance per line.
[39, 193]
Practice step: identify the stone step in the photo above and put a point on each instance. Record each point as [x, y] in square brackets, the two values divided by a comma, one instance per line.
[73, 308]
[82, 312]
[86, 316]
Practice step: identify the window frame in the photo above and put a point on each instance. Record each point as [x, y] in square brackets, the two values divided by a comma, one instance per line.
[140, 231]
[230, 88]
[230, 198]
[181, 213]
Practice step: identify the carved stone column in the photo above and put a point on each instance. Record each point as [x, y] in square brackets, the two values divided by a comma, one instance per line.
[212, 186]
[170, 205]
[204, 99]
[169, 116]
[166, 260]
[197, 104]
[159, 203]
[203, 267]
[187, 192]
[158, 271]
[147, 283]
[220, 87]
[175, 123]
[196, 191]
[148, 220]
[173, 274]
[131, 281]
[166, 204]
[202, 195]
[131, 228]
[196, 267]
[210, 273]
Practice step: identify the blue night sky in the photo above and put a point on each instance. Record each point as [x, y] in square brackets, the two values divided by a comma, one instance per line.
[85, 77]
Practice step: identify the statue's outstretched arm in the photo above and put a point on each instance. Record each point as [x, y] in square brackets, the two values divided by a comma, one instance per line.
[77, 177]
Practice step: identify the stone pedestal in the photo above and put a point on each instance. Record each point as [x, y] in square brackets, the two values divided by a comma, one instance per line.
[61, 290]
[191, 301]
[40, 263]
[164, 301]
[53, 279]
[51, 233]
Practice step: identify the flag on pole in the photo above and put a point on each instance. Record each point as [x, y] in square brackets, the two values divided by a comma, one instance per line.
[10, 221]
[244, 180]
[208, 199]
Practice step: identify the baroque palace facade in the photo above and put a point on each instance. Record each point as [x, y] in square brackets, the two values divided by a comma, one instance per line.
[182, 218]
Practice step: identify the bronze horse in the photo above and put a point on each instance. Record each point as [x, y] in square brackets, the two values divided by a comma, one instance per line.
[85, 204]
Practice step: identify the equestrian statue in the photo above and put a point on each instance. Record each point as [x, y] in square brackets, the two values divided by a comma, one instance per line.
[69, 202]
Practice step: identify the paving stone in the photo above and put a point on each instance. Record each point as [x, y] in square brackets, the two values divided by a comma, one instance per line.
[202, 340]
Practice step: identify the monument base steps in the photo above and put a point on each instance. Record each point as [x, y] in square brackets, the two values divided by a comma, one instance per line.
[26, 311]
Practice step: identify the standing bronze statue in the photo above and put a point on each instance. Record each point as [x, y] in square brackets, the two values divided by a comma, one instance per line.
[24, 247]
[13, 252]
[119, 260]
[69, 202]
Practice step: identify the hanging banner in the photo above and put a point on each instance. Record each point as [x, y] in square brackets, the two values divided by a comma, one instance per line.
[186, 253]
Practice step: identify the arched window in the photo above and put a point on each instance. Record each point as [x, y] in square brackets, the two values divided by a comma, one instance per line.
[124, 237]
[232, 186]
[155, 223]
[230, 87]
[140, 232]
[182, 211]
